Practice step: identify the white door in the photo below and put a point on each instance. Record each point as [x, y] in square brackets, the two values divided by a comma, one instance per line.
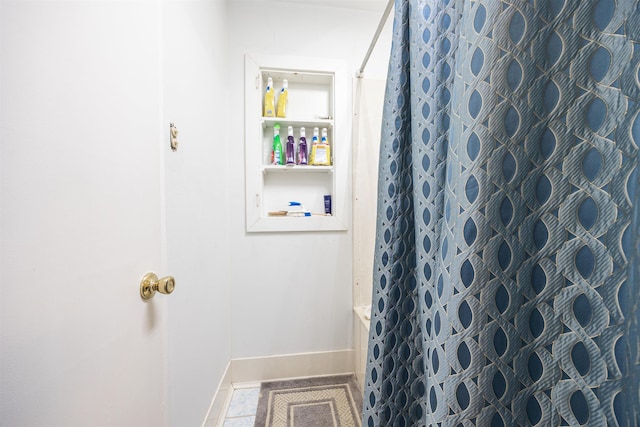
[80, 214]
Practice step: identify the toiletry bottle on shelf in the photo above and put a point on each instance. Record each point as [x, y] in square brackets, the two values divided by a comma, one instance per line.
[302, 148]
[277, 146]
[314, 144]
[321, 152]
[269, 100]
[283, 99]
[324, 141]
[291, 147]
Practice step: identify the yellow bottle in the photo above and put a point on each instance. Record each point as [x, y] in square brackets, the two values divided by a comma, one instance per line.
[269, 100]
[281, 111]
[320, 151]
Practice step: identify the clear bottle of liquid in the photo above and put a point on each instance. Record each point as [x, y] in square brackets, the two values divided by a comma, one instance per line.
[277, 158]
[269, 100]
[314, 144]
[283, 99]
[291, 147]
[302, 148]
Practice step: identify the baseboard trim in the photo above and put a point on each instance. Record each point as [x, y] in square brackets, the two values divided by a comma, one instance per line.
[219, 402]
[288, 366]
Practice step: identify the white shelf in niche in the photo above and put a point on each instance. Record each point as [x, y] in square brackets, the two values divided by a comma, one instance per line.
[319, 96]
[268, 122]
[296, 169]
[302, 223]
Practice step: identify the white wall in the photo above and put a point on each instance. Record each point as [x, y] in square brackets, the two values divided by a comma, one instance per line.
[292, 292]
[197, 191]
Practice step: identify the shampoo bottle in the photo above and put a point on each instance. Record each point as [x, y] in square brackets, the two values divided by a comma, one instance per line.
[283, 99]
[302, 148]
[277, 146]
[314, 144]
[291, 147]
[269, 100]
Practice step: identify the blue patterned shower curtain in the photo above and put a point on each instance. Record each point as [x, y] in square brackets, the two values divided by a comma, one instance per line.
[507, 266]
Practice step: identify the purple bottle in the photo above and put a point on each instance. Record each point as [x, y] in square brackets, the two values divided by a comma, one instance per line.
[302, 148]
[290, 150]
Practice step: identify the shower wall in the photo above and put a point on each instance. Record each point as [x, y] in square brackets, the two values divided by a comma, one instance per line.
[368, 101]
[367, 120]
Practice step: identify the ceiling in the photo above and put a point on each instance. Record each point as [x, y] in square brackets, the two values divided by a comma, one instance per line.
[370, 5]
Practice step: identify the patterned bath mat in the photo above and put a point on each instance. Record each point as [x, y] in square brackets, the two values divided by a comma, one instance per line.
[310, 402]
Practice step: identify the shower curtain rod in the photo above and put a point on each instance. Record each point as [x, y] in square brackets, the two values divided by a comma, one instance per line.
[385, 15]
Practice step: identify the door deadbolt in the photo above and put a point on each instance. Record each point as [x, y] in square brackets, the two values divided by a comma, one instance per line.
[150, 283]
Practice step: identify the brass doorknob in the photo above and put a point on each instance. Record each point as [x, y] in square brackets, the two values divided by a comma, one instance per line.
[150, 283]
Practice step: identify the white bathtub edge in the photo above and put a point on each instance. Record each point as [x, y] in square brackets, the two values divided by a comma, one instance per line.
[360, 310]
